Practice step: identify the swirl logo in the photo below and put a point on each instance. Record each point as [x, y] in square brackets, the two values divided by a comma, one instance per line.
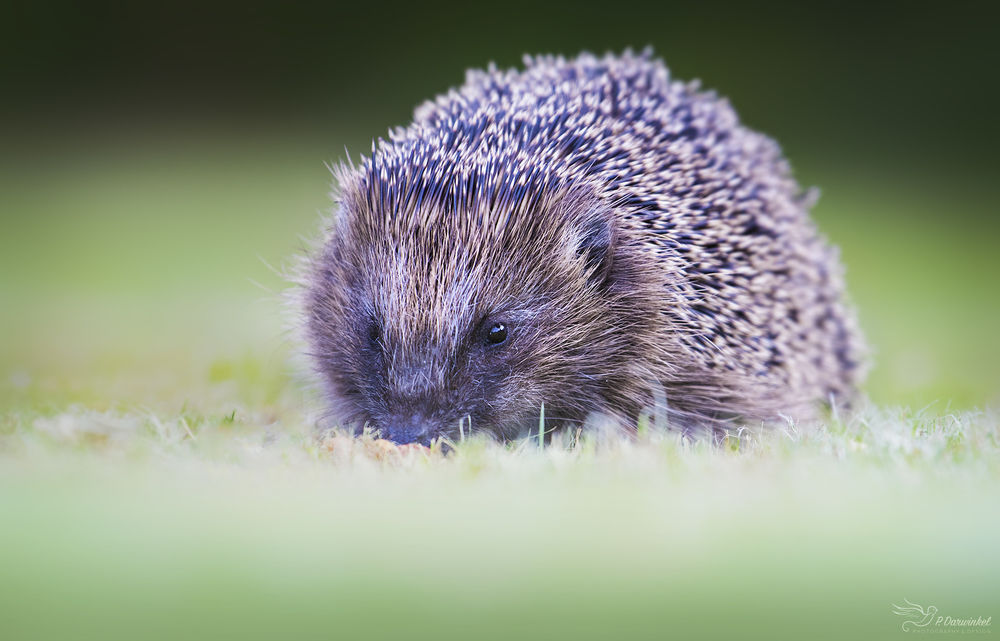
[917, 616]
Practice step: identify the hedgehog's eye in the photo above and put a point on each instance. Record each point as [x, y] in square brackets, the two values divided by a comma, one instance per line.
[374, 331]
[497, 334]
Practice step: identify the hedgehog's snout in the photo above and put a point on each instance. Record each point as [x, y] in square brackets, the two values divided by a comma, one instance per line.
[414, 401]
[413, 428]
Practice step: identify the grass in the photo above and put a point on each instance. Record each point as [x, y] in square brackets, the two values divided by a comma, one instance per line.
[126, 523]
[160, 477]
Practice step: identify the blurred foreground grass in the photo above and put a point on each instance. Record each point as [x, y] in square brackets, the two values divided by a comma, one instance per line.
[143, 525]
[159, 479]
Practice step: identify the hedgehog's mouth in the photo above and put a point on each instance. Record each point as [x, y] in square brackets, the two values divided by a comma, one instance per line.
[416, 428]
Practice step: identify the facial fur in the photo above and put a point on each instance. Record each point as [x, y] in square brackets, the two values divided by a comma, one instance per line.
[403, 318]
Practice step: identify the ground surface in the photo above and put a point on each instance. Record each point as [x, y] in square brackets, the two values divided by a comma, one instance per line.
[159, 477]
[125, 524]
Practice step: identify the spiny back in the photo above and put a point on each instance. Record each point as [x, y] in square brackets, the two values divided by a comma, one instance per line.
[754, 290]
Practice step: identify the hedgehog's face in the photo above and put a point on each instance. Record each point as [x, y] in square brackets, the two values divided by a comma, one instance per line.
[436, 323]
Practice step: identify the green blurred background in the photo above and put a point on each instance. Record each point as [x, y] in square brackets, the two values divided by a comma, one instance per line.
[158, 158]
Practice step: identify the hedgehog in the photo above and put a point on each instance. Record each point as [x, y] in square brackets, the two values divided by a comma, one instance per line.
[580, 238]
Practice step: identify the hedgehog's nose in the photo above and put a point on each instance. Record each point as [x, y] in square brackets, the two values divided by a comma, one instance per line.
[409, 429]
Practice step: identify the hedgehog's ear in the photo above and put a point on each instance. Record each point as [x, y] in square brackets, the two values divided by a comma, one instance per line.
[595, 241]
